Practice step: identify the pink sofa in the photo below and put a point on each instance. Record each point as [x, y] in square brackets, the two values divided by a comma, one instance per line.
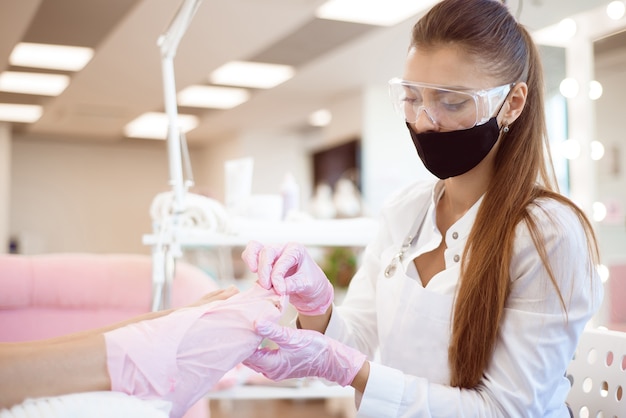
[617, 297]
[48, 295]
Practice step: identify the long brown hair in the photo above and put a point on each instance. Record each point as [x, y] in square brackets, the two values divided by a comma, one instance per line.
[523, 173]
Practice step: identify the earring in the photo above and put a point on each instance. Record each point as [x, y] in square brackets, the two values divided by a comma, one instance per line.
[505, 129]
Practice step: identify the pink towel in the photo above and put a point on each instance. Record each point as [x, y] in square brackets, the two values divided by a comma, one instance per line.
[181, 356]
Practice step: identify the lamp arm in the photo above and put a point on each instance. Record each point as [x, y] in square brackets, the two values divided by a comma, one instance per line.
[167, 249]
[168, 43]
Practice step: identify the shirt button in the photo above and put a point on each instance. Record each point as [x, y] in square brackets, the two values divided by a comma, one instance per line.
[456, 258]
[455, 235]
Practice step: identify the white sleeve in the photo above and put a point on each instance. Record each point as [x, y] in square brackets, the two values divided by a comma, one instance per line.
[526, 377]
[355, 322]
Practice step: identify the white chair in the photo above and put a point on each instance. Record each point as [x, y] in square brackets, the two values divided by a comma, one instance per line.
[598, 375]
[89, 404]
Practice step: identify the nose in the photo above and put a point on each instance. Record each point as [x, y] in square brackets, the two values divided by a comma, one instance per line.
[424, 122]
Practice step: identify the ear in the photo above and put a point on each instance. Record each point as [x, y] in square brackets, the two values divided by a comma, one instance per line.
[515, 103]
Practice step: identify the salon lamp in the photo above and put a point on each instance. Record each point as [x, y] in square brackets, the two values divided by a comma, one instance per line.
[168, 248]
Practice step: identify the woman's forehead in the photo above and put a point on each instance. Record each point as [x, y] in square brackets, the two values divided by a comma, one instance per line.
[446, 65]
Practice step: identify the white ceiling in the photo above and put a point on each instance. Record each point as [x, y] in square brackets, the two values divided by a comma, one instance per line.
[124, 80]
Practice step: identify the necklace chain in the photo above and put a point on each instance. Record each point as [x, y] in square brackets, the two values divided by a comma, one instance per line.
[396, 259]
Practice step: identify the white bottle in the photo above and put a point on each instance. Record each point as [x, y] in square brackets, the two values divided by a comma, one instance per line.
[322, 205]
[347, 199]
[291, 195]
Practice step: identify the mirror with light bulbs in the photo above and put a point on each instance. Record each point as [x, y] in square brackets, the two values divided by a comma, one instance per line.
[584, 59]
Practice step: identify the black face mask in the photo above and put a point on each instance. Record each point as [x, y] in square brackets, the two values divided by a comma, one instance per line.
[450, 154]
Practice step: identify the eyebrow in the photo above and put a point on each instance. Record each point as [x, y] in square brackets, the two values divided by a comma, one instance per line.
[463, 89]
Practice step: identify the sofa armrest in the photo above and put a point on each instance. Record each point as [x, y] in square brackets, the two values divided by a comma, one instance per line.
[79, 280]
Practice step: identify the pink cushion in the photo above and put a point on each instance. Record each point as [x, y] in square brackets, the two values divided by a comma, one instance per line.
[48, 295]
[89, 280]
[617, 293]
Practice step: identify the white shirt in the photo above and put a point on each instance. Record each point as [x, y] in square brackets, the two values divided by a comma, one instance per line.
[409, 325]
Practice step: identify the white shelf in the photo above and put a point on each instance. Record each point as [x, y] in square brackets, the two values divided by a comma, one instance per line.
[316, 390]
[353, 232]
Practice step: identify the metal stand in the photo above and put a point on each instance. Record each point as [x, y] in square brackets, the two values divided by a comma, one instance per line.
[165, 253]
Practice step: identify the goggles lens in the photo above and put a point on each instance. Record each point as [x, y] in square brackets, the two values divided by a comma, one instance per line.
[446, 108]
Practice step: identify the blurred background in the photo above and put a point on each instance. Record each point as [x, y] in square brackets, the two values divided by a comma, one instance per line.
[78, 175]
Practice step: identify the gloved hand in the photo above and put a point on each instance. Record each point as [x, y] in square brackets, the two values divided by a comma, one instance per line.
[303, 353]
[181, 356]
[290, 270]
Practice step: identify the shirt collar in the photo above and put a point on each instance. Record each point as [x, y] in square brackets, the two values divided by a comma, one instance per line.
[463, 226]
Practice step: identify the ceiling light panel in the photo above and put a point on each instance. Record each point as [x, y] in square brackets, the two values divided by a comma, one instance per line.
[558, 34]
[251, 74]
[33, 83]
[20, 113]
[53, 57]
[154, 125]
[320, 118]
[372, 12]
[212, 97]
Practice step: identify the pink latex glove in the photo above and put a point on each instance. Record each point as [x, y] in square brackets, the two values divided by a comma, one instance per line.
[181, 356]
[290, 270]
[304, 353]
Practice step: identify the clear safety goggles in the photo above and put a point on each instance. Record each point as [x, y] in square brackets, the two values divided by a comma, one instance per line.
[445, 107]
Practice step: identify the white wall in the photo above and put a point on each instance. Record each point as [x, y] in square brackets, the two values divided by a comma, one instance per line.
[346, 123]
[209, 166]
[274, 153]
[72, 197]
[581, 123]
[95, 197]
[390, 160]
[5, 184]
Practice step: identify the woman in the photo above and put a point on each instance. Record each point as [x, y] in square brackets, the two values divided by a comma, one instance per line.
[478, 285]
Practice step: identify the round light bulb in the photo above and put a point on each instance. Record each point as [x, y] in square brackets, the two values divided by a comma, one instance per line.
[569, 87]
[595, 90]
[615, 10]
[320, 118]
[567, 28]
[597, 150]
[603, 272]
[599, 211]
[570, 149]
